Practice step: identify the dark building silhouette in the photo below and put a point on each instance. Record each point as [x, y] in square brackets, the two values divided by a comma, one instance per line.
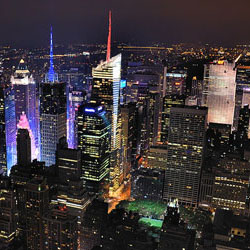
[23, 147]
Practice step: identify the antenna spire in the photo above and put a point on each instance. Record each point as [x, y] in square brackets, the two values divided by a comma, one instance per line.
[109, 39]
[51, 73]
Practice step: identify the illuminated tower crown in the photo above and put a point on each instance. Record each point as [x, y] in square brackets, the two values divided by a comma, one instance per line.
[51, 76]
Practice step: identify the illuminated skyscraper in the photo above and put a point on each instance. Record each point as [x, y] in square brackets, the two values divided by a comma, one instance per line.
[25, 102]
[186, 145]
[3, 163]
[94, 141]
[106, 91]
[176, 82]
[219, 92]
[52, 119]
[168, 102]
[10, 128]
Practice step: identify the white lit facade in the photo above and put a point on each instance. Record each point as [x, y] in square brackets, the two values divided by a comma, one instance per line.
[219, 92]
[106, 91]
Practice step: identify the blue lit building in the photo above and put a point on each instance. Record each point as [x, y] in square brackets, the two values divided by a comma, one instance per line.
[53, 115]
[3, 163]
[24, 88]
[10, 128]
[51, 76]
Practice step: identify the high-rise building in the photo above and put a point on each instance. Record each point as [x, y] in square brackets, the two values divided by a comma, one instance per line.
[106, 87]
[176, 82]
[53, 114]
[23, 147]
[10, 128]
[52, 119]
[24, 88]
[94, 218]
[3, 162]
[129, 136]
[186, 146]
[242, 85]
[70, 188]
[59, 229]
[36, 206]
[8, 212]
[219, 92]
[168, 102]
[94, 141]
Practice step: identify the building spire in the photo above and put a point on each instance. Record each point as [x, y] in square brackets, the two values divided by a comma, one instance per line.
[109, 39]
[51, 76]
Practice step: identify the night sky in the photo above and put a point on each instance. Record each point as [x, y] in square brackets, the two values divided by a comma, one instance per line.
[26, 22]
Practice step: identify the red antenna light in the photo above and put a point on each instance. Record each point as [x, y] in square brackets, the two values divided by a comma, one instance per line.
[109, 39]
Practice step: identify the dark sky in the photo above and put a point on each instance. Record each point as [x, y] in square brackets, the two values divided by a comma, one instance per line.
[26, 22]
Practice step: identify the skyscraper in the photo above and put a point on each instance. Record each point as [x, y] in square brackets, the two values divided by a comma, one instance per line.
[23, 147]
[52, 112]
[186, 145]
[106, 91]
[3, 163]
[168, 102]
[52, 119]
[59, 229]
[25, 102]
[36, 206]
[10, 127]
[94, 141]
[219, 92]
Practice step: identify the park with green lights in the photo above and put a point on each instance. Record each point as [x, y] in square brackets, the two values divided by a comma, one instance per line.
[152, 213]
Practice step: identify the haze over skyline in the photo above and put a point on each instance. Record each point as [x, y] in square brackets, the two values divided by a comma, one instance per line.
[26, 23]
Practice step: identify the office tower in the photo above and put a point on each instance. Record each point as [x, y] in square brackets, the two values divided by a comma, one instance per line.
[243, 72]
[168, 102]
[74, 101]
[243, 128]
[59, 229]
[3, 162]
[219, 91]
[52, 119]
[70, 189]
[94, 218]
[10, 127]
[53, 113]
[129, 136]
[173, 235]
[77, 88]
[176, 82]
[8, 212]
[24, 88]
[242, 85]
[94, 141]
[36, 206]
[231, 184]
[186, 146]
[23, 147]
[106, 87]
[157, 157]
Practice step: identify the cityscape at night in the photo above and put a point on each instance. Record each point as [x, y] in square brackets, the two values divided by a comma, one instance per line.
[124, 125]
